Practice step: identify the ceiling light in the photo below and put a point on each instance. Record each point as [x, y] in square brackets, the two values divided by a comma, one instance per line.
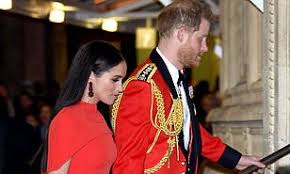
[57, 14]
[110, 25]
[5, 4]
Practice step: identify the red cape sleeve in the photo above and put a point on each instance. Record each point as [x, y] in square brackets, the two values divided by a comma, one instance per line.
[67, 134]
[59, 141]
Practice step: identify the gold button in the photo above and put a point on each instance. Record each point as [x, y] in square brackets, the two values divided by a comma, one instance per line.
[183, 163]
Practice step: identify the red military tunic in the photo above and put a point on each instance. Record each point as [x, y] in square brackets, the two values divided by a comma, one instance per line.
[142, 146]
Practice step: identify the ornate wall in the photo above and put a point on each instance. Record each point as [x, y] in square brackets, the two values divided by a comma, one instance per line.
[255, 83]
[276, 78]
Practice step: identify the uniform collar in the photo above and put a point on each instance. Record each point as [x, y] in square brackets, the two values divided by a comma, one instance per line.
[173, 71]
[162, 68]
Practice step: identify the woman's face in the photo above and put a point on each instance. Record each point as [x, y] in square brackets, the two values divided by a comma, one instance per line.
[108, 86]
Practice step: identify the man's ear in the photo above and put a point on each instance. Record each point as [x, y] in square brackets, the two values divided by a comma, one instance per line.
[180, 35]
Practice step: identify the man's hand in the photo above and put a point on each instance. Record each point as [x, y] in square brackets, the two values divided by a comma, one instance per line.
[246, 161]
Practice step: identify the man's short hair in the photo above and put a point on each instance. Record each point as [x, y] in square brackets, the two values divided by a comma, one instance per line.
[181, 13]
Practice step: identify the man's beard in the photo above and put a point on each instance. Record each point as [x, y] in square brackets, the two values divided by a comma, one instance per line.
[187, 57]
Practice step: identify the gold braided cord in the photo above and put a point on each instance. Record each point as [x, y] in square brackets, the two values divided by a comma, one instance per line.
[171, 143]
[116, 105]
[151, 116]
[143, 74]
[171, 126]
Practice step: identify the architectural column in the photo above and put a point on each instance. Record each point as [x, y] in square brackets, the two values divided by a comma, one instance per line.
[255, 86]
[276, 75]
[239, 122]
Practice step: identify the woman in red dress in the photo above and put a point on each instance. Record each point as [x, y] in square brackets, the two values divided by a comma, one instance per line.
[79, 140]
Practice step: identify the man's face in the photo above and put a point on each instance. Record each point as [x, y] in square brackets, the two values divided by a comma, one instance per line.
[189, 53]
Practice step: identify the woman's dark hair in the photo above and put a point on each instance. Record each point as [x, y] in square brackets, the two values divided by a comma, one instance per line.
[95, 56]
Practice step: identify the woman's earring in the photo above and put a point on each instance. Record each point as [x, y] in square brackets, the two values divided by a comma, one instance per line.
[91, 93]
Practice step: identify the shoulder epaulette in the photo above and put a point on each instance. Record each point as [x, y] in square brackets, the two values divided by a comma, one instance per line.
[146, 72]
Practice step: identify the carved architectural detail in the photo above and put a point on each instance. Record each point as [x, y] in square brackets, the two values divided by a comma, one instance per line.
[277, 78]
[269, 77]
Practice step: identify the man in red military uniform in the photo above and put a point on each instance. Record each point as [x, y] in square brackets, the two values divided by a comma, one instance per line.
[156, 130]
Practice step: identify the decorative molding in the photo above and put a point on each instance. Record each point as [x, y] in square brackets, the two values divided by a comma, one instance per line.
[269, 78]
[276, 78]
